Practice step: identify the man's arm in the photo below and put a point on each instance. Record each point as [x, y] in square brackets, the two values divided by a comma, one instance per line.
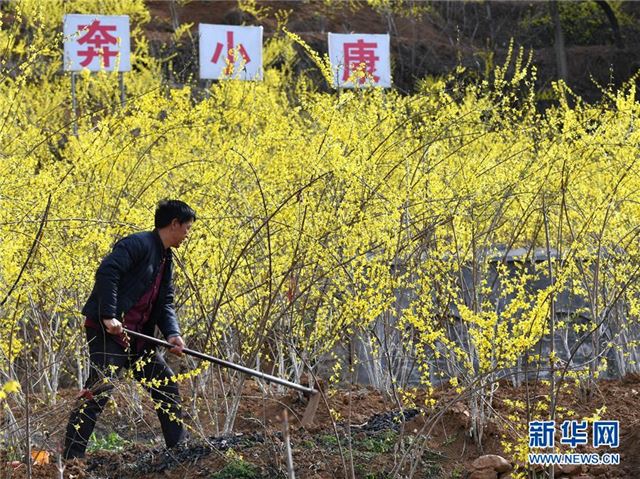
[178, 344]
[167, 318]
[125, 254]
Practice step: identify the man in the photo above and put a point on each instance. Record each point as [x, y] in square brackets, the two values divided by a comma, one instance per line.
[133, 289]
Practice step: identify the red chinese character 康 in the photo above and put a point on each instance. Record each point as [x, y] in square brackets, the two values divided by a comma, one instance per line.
[358, 55]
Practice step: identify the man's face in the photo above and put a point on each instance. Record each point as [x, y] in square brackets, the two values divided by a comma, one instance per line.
[180, 231]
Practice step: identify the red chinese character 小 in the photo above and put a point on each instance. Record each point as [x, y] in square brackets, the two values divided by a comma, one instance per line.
[230, 53]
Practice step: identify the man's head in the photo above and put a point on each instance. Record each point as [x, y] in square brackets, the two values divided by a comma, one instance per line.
[173, 220]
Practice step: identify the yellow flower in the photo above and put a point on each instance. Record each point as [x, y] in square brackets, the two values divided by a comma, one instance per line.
[11, 387]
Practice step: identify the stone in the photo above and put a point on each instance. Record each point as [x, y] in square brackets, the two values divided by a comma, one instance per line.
[487, 473]
[493, 461]
[567, 469]
[599, 470]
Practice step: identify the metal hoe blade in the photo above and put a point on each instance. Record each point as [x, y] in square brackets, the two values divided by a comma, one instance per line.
[310, 410]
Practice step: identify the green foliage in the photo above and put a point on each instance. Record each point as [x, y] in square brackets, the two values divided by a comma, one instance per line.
[403, 8]
[583, 22]
[381, 443]
[457, 472]
[363, 470]
[328, 440]
[111, 442]
[237, 468]
[307, 444]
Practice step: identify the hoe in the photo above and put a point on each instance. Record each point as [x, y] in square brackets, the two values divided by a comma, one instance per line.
[313, 394]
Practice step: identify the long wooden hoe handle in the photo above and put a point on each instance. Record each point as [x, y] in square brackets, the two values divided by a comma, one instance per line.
[226, 364]
[314, 396]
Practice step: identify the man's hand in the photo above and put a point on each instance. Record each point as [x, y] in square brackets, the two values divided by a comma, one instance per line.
[178, 343]
[113, 326]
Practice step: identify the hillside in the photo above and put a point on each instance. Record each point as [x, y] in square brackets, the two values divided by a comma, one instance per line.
[432, 38]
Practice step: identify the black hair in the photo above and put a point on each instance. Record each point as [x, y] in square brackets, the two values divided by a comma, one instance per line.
[167, 210]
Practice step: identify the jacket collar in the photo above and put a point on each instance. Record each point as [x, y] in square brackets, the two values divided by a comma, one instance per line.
[159, 242]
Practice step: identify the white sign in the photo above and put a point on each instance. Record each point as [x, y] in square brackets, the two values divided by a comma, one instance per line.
[97, 42]
[228, 51]
[360, 60]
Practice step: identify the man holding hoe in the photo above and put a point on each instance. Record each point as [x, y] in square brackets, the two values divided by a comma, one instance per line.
[133, 289]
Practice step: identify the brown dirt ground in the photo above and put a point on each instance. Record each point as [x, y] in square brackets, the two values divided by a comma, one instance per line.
[317, 452]
[448, 448]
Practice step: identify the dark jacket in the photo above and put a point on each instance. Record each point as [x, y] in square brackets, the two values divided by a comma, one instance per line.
[126, 274]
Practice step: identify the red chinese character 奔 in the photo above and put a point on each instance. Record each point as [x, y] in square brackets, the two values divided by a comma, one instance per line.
[98, 37]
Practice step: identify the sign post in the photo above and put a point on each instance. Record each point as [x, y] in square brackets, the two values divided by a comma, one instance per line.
[74, 103]
[96, 43]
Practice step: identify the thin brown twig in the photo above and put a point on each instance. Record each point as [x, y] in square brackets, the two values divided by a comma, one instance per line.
[32, 250]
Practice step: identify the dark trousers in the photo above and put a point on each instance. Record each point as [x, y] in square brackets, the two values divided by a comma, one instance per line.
[108, 359]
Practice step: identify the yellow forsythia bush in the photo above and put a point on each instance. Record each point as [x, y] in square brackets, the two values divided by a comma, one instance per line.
[317, 211]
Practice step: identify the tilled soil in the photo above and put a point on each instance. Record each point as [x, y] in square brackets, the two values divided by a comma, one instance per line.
[160, 459]
[357, 433]
[197, 454]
